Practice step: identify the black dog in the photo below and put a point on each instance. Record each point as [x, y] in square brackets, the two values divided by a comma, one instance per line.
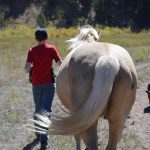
[148, 92]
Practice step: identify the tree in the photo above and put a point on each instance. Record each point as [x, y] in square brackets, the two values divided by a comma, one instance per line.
[41, 20]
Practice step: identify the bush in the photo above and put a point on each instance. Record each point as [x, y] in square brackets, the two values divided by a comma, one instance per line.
[41, 20]
[2, 22]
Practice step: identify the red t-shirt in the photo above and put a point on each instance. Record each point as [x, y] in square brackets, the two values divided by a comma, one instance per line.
[41, 57]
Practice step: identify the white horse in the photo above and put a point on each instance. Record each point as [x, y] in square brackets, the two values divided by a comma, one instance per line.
[95, 79]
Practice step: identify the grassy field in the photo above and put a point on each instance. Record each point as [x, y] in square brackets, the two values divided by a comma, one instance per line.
[15, 41]
[21, 37]
[15, 90]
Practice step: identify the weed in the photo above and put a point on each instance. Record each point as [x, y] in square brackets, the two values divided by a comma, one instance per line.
[130, 141]
[63, 142]
[14, 117]
[13, 96]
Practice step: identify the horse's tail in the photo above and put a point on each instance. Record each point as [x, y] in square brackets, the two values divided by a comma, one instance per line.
[106, 70]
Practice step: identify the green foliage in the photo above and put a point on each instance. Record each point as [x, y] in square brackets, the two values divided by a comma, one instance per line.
[41, 21]
[115, 13]
[2, 22]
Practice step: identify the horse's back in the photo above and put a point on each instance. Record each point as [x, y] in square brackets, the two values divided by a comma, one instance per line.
[83, 60]
[77, 72]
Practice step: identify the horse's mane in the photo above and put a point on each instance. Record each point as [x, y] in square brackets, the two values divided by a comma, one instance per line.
[83, 36]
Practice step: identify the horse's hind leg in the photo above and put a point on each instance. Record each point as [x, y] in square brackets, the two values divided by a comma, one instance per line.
[90, 138]
[116, 126]
[118, 109]
[115, 132]
[116, 121]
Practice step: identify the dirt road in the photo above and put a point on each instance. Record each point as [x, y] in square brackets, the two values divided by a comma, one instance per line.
[16, 107]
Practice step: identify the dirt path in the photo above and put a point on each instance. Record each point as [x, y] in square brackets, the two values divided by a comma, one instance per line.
[140, 114]
[16, 107]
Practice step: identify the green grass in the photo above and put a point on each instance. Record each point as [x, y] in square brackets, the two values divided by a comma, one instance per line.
[21, 37]
[16, 40]
[124, 37]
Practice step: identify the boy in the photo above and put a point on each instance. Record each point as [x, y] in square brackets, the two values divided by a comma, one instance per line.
[39, 60]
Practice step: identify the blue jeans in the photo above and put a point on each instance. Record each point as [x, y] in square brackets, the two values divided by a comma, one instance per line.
[43, 96]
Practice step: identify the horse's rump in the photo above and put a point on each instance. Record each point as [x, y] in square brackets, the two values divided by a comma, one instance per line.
[84, 116]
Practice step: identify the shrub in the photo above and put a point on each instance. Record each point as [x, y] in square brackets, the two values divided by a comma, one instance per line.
[2, 22]
[41, 20]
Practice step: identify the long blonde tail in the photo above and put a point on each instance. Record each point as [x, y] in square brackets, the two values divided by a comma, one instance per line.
[106, 70]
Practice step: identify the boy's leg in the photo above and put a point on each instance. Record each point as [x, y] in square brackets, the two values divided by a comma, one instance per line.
[37, 95]
[47, 98]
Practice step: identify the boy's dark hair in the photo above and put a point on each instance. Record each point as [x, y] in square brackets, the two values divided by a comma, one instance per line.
[41, 34]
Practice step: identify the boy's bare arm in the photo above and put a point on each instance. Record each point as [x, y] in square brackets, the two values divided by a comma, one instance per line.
[28, 67]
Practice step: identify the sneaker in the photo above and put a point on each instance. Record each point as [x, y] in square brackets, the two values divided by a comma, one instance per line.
[32, 144]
